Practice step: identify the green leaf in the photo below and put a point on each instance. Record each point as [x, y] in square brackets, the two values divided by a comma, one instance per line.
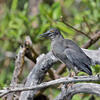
[63, 27]
[14, 4]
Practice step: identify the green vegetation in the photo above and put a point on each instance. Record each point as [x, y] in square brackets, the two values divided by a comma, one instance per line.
[16, 23]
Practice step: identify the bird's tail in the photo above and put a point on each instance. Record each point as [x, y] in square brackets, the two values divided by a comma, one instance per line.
[86, 68]
[95, 62]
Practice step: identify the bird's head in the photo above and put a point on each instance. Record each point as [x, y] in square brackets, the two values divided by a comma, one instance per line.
[52, 33]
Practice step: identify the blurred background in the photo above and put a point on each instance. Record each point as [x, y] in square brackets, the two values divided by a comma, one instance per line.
[20, 18]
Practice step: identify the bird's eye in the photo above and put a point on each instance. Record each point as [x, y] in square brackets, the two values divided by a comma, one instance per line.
[52, 31]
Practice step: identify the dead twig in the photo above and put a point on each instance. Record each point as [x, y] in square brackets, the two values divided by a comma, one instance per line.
[79, 31]
[93, 40]
[54, 82]
[30, 52]
[53, 74]
[18, 69]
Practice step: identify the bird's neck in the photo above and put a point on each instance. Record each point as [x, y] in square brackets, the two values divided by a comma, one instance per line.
[57, 38]
[55, 41]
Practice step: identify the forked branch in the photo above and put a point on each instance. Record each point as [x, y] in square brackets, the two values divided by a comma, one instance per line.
[59, 81]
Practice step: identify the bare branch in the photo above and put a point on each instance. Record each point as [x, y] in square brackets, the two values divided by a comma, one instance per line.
[93, 40]
[79, 31]
[53, 82]
[30, 52]
[32, 55]
[68, 93]
[61, 69]
[18, 65]
[37, 74]
[52, 74]
[18, 69]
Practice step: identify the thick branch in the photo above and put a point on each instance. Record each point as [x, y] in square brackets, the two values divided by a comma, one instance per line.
[44, 62]
[37, 74]
[18, 65]
[54, 82]
[91, 88]
[18, 69]
[32, 55]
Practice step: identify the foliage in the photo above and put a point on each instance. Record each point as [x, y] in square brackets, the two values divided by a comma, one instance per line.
[15, 24]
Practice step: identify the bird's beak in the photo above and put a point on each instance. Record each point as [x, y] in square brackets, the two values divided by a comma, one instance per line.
[44, 34]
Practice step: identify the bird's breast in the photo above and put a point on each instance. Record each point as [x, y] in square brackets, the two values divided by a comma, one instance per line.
[58, 49]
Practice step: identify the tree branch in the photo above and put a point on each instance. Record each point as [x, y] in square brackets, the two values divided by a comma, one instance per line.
[32, 55]
[68, 93]
[18, 69]
[95, 55]
[54, 82]
[79, 31]
[93, 40]
[36, 76]
[18, 65]
[30, 52]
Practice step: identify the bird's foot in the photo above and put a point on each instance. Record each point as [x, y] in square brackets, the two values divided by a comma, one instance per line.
[70, 84]
[72, 74]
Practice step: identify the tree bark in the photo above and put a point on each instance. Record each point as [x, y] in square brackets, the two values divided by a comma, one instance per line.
[45, 62]
[68, 93]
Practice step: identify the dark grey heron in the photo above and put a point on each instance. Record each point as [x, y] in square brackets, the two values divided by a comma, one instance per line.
[68, 52]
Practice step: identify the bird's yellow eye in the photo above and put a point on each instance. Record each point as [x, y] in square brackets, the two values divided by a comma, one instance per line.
[52, 31]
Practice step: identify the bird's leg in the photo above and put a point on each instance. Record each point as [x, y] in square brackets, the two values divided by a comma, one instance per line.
[76, 71]
[71, 74]
[65, 84]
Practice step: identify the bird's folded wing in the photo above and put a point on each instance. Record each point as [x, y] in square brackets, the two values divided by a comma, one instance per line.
[79, 59]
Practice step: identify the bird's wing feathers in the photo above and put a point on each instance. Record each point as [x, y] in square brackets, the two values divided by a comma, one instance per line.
[78, 59]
